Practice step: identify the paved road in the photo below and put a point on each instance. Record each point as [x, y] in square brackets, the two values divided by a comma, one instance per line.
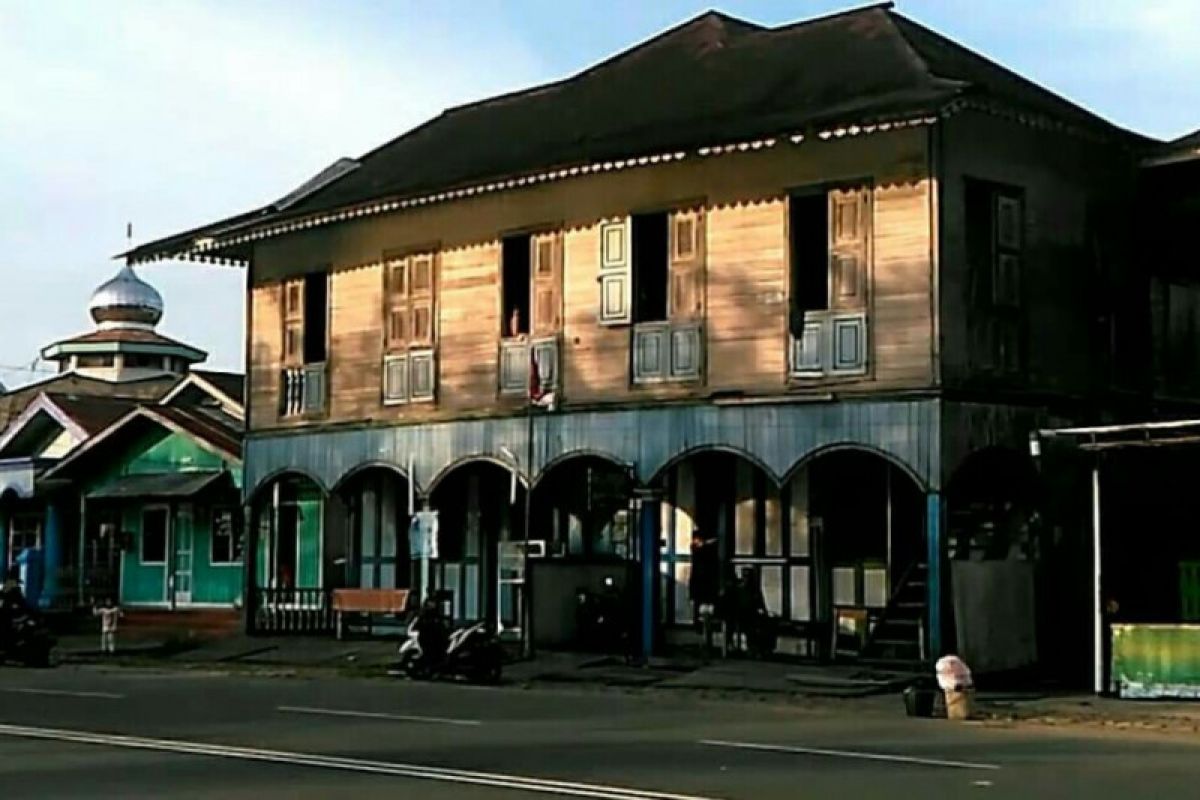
[79, 732]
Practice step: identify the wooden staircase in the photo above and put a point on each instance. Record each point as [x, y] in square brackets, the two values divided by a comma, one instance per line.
[898, 636]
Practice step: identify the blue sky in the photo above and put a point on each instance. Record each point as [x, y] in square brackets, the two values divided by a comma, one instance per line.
[172, 113]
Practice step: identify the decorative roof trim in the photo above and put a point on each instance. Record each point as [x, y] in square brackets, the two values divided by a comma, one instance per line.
[43, 403]
[204, 248]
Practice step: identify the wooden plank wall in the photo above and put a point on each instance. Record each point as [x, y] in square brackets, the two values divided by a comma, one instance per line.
[746, 282]
[266, 356]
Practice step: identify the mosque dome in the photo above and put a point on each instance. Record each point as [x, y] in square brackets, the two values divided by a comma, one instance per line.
[126, 299]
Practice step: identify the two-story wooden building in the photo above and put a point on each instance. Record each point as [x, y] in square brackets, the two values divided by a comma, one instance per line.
[800, 293]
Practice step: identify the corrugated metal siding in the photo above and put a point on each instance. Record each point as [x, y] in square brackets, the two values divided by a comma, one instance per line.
[778, 437]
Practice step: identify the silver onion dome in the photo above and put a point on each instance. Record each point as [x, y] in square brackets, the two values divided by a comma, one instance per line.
[126, 298]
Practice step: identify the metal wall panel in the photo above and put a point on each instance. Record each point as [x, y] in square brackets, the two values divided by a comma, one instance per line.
[778, 437]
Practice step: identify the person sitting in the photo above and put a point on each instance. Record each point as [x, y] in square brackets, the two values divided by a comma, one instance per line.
[432, 631]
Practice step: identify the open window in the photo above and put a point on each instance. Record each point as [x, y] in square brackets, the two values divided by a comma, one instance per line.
[652, 275]
[829, 234]
[305, 304]
[531, 279]
[410, 335]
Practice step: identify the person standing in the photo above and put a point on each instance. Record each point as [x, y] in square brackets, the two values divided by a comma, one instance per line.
[109, 615]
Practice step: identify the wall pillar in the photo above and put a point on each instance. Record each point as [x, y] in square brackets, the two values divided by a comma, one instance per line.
[650, 535]
[51, 555]
[935, 583]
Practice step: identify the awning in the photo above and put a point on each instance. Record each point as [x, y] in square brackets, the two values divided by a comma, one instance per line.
[169, 484]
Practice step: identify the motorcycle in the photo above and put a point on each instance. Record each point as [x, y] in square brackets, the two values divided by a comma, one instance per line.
[472, 652]
[27, 641]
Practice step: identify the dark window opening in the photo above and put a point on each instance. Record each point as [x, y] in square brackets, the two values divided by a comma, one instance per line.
[650, 267]
[316, 315]
[94, 361]
[808, 223]
[979, 229]
[514, 279]
[136, 360]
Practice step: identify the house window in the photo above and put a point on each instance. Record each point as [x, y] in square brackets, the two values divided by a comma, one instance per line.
[226, 537]
[829, 238]
[154, 536]
[94, 361]
[650, 267]
[409, 290]
[24, 533]
[144, 361]
[316, 317]
[995, 237]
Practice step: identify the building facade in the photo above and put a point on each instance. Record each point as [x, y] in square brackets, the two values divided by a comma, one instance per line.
[797, 315]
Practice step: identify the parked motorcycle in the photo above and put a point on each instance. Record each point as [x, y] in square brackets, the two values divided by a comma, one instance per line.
[471, 652]
[26, 641]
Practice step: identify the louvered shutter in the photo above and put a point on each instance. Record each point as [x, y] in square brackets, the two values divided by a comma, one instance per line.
[686, 265]
[616, 278]
[546, 259]
[849, 237]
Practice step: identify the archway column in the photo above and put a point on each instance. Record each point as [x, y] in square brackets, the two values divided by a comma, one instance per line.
[649, 538]
[934, 583]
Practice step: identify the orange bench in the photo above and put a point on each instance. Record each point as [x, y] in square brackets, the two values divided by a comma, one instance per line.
[367, 602]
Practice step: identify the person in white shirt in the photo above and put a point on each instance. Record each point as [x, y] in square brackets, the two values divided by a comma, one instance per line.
[108, 614]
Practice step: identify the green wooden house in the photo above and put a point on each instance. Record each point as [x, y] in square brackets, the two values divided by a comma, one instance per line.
[160, 520]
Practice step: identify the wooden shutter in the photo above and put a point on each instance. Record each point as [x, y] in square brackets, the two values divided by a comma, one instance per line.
[686, 230]
[545, 258]
[293, 322]
[395, 303]
[422, 278]
[1007, 227]
[616, 277]
[849, 247]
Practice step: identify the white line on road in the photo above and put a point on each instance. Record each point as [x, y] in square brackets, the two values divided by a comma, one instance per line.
[335, 712]
[65, 693]
[816, 751]
[497, 780]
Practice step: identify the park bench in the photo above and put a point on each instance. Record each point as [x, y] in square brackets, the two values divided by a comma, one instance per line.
[351, 603]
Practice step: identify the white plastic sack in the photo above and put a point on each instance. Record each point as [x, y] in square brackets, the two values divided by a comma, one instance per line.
[953, 674]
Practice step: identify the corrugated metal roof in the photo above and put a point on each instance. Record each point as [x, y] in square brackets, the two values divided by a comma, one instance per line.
[167, 484]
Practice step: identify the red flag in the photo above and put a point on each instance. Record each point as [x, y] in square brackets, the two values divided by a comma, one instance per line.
[535, 378]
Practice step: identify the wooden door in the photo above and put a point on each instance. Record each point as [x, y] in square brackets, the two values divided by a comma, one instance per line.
[849, 247]
[545, 258]
[686, 236]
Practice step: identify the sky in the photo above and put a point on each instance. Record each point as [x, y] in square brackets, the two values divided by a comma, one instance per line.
[170, 113]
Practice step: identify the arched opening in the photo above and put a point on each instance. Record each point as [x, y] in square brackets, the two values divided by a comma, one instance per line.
[481, 530]
[379, 503]
[296, 537]
[994, 546]
[721, 519]
[856, 552]
[582, 509]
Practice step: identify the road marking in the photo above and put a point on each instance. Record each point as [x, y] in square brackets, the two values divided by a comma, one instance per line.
[816, 751]
[65, 693]
[334, 712]
[446, 775]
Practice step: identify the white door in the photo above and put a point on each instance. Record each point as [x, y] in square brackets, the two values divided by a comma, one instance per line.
[183, 556]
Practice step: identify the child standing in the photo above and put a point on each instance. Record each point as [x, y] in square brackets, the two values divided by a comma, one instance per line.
[108, 614]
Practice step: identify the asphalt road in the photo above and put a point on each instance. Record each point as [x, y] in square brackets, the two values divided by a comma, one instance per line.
[80, 732]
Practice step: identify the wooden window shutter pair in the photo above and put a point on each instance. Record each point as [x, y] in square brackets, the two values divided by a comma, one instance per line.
[686, 264]
[546, 259]
[409, 288]
[293, 322]
[849, 247]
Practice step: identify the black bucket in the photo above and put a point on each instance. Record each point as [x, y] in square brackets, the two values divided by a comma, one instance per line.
[919, 701]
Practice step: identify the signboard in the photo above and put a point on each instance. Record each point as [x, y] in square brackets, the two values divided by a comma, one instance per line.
[423, 535]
